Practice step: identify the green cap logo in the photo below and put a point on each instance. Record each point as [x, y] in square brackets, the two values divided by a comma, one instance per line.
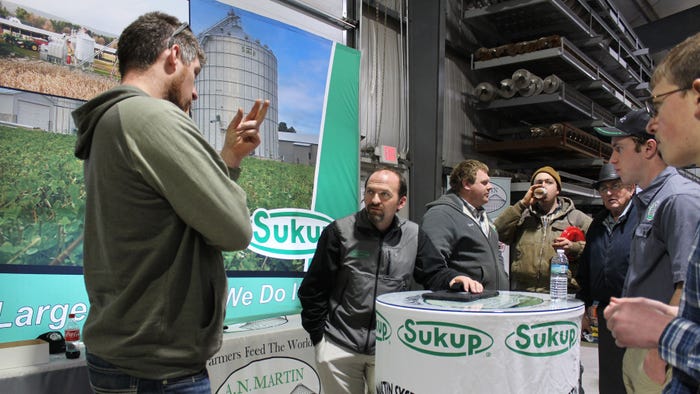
[443, 339]
[287, 233]
[544, 339]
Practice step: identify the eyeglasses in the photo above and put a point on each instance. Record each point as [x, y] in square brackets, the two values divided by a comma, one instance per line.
[383, 195]
[652, 107]
[612, 188]
[177, 31]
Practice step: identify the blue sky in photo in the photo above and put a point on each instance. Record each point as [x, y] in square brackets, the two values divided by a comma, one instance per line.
[102, 16]
[302, 61]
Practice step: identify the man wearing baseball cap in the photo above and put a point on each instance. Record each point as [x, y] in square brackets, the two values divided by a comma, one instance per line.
[603, 268]
[634, 123]
[642, 322]
[534, 225]
[669, 209]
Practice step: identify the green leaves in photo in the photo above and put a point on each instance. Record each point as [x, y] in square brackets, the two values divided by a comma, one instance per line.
[42, 200]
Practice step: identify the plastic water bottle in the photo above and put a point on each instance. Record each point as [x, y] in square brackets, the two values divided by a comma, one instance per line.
[557, 279]
[72, 336]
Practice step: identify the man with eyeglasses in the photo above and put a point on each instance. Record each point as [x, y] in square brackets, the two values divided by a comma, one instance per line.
[669, 210]
[603, 267]
[459, 228]
[161, 205]
[359, 257]
[648, 323]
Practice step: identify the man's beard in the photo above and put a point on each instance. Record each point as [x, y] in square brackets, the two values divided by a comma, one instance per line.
[375, 217]
[175, 97]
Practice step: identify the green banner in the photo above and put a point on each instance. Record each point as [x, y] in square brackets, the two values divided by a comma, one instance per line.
[337, 173]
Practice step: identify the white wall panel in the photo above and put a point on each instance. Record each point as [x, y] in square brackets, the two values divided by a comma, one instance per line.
[458, 129]
[382, 86]
[33, 114]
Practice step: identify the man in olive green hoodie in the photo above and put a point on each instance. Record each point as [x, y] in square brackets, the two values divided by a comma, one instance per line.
[161, 205]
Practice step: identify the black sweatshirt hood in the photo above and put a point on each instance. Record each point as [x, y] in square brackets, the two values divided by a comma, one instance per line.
[89, 114]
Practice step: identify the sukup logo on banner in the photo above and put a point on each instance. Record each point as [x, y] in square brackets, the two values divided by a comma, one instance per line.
[443, 339]
[544, 339]
[383, 330]
[287, 233]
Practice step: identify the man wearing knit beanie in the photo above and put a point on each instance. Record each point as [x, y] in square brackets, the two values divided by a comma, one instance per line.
[533, 227]
[548, 170]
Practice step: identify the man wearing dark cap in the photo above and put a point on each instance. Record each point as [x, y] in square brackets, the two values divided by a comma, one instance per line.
[533, 226]
[669, 211]
[603, 267]
[642, 322]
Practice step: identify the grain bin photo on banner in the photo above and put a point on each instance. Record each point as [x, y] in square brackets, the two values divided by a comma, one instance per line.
[303, 175]
[305, 172]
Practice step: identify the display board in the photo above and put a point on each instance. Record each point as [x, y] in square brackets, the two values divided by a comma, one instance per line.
[313, 88]
[268, 360]
[499, 201]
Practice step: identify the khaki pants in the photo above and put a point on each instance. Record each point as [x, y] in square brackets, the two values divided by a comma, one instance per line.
[343, 371]
[636, 380]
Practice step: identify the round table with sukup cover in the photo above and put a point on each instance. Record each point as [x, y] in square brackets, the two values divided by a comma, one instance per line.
[515, 342]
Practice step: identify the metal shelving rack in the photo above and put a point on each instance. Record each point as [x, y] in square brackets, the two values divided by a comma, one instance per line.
[568, 137]
[620, 53]
[548, 108]
[624, 46]
[570, 64]
[607, 10]
[613, 66]
[603, 66]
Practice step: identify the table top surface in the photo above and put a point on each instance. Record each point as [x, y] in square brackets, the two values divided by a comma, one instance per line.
[506, 302]
[56, 362]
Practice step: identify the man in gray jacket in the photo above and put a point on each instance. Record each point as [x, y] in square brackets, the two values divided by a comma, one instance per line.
[459, 228]
[359, 257]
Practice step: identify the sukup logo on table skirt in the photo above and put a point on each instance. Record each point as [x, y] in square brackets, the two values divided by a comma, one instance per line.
[383, 330]
[443, 339]
[543, 339]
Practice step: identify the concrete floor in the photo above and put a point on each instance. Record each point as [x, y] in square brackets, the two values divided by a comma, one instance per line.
[589, 359]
